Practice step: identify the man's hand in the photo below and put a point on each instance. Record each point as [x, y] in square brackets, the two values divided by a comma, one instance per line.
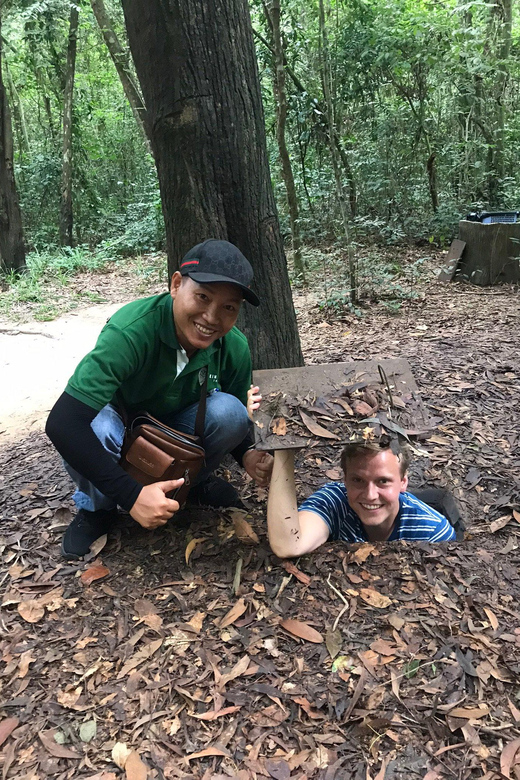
[152, 508]
[258, 465]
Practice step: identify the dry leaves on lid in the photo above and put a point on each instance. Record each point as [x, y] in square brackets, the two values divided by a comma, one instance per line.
[134, 767]
[279, 426]
[94, 573]
[234, 613]
[302, 630]
[374, 598]
[7, 726]
[314, 428]
[243, 530]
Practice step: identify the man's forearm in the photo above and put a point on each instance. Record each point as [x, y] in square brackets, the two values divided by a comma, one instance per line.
[283, 525]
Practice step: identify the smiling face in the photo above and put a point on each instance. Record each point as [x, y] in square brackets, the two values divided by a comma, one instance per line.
[373, 481]
[203, 313]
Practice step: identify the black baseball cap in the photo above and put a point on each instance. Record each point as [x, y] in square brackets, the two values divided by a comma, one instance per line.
[219, 261]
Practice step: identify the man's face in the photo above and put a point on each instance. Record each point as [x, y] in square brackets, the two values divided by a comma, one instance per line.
[373, 482]
[203, 313]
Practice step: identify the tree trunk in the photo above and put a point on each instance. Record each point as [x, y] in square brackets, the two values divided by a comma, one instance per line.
[66, 215]
[334, 151]
[18, 114]
[12, 249]
[197, 67]
[121, 62]
[273, 17]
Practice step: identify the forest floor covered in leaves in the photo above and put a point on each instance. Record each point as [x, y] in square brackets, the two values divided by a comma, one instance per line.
[175, 654]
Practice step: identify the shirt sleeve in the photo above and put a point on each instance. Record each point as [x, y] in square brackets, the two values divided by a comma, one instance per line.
[444, 532]
[324, 503]
[100, 374]
[68, 427]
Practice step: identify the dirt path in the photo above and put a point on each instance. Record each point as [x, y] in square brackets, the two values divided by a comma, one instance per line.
[36, 360]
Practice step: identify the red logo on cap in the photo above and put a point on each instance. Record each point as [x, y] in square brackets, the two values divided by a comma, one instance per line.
[190, 262]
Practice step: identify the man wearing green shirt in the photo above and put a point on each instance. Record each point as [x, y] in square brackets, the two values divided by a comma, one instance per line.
[148, 357]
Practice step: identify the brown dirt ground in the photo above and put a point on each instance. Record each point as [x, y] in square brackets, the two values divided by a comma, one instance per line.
[414, 671]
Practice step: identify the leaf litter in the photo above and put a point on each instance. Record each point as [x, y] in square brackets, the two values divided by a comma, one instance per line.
[418, 678]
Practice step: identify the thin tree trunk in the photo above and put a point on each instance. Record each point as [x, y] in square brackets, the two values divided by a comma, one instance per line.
[66, 214]
[273, 16]
[501, 12]
[12, 248]
[334, 153]
[122, 65]
[197, 67]
[18, 113]
[319, 118]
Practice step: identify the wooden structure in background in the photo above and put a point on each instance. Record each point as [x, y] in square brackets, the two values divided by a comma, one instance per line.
[452, 260]
[492, 253]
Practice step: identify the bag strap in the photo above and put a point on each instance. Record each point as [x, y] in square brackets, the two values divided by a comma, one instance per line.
[201, 411]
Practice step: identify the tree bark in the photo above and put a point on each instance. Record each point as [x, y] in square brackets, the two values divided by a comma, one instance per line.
[122, 65]
[66, 213]
[273, 18]
[12, 248]
[197, 67]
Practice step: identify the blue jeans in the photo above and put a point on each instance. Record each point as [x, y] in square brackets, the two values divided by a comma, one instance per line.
[226, 426]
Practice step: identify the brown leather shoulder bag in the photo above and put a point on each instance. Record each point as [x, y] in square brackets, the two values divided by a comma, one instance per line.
[154, 452]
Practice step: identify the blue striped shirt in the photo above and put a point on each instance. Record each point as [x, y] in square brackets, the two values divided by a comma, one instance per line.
[415, 522]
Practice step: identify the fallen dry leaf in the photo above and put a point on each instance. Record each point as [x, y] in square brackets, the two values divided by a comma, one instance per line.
[362, 553]
[290, 568]
[302, 630]
[98, 545]
[120, 754]
[279, 426]
[362, 408]
[492, 618]
[334, 641]
[7, 726]
[209, 751]
[238, 670]
[315, 429]
[214, 714]
[23, 666]
[196, 621]
[69, 698]
[507, 756]
[307, 707]
[134, 767]
[278, 769]
[234, 613]
[191, 546]
[500, 523]
[374, 598]
[93, 573]
[142, 655]
[469, 712]
[31, 610]
[244, 531]
[52, 747]
[516, 515]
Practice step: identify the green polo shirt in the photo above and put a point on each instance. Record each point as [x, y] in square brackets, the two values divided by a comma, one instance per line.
[134, 363]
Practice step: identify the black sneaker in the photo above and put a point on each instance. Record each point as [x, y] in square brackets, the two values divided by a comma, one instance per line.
[214, 492]
[84, 530]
